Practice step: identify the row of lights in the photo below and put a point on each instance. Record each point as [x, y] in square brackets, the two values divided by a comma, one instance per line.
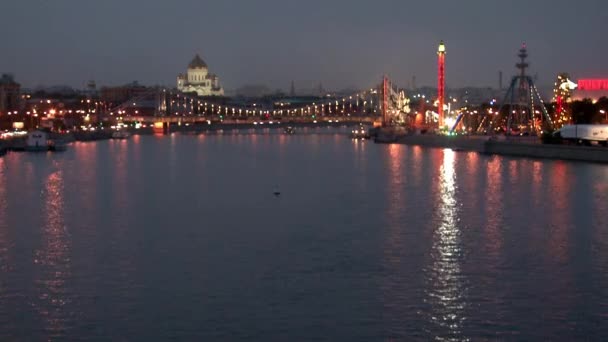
[280, 111]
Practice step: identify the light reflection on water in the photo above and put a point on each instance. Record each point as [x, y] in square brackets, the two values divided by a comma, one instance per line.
[417, 172]
[494, 207]
[538, 182]
[560, 217]
[447, 291]
[4, 237]
[395, 199]
[180, 238]
[120, 220]
[52, 260]
[395, 245]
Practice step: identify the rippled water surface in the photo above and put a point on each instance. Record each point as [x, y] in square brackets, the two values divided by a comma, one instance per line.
[180, 237]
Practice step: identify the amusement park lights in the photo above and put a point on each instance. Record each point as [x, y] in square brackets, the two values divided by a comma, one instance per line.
[562, 93]
[441, 82]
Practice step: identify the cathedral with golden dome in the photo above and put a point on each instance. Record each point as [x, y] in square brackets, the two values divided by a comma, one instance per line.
[198, 80]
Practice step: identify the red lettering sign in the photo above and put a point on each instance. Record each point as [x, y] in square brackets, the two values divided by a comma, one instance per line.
[593, 84]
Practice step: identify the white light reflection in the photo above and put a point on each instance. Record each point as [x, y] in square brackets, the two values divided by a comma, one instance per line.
[53, 261]
[446, 290]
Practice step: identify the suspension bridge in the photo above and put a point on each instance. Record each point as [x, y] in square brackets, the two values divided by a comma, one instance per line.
[380, 104]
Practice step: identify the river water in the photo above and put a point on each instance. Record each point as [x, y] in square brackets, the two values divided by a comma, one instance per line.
[181, 237]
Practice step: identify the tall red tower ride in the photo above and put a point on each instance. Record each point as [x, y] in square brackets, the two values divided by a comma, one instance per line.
[385, 120]
[441, 82]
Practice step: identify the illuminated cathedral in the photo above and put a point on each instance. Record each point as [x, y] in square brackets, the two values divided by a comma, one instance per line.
[198, 80]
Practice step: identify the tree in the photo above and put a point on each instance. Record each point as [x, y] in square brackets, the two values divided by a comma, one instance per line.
[584, 112]
[602, 109]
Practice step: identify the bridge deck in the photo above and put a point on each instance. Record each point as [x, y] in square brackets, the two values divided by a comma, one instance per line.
[249, 121]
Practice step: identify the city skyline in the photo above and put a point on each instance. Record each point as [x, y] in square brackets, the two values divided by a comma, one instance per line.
[339, 44]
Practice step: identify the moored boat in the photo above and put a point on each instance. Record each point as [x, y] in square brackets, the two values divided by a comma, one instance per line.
[121, 134]
[37, 141]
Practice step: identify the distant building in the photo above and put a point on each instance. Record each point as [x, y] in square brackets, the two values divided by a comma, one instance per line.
[198, 80]
[9, 94]
[118, 95]
[91, 89]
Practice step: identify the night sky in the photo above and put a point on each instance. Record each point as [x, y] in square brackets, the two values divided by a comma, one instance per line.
[341, 43]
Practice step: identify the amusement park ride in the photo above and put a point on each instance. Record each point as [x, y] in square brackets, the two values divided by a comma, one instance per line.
[522, 107]
[441, 83]
[562, 95]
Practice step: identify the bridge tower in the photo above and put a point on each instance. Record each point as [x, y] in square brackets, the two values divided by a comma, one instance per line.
[441, 82]
[162, 102]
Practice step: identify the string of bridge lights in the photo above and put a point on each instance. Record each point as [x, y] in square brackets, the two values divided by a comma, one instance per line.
[314, 108]
[326, 106]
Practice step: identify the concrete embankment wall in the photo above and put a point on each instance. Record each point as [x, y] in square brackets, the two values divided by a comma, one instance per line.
[530, 148]
[566, 152]
[465, 143]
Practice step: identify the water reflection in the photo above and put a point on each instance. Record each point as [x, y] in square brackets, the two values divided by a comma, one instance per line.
[560, 217]
[472, 177]
[360, 164]
[514, 170]
[4, 238]
[394, 287]
[446, 291]
[494, 209]
[600, 237]
[118, 228]
[119, 188]
[395, 200]
[52, 260]
[418, 169]
[359, 145]
[429, 247]
[537, 181]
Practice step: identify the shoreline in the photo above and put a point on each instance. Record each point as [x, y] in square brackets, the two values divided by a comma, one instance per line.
[524, 147]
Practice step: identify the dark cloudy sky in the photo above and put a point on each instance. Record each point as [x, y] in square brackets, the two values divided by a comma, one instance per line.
[340, 43]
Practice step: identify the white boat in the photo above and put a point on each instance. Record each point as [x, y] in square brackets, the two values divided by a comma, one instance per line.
[120, 134]
[37, 141]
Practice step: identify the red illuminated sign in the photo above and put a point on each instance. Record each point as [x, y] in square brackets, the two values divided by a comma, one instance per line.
[596, 84]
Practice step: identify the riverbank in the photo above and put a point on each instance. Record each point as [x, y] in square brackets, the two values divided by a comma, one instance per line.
[516, 147]
[473, 143]
[545, 151]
